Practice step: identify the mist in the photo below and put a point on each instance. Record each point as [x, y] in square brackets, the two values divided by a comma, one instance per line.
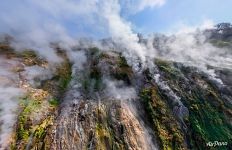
[118, 91]
[10, 93]
[76, 25]
[191, 46]
[35, 25]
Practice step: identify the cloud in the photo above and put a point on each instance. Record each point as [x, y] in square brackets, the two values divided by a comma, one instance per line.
[35, 24]
[135, 6]
[183, 28]
[66, 9]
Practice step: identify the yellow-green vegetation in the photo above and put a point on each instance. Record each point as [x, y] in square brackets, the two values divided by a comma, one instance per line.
[207, 120]
[123, 70]
[39, 105]
[92, 77]
[94, 51]
[104, 55]
[207, 110]
[103, 137]
[62, 77]
[35, 117]
[40, 130]
[6, 50]
[167, 67]
[30, 58]
[24, 129]
[165, 126]
[95, 74]
[54, 102]
[221, 43]
[64, 72]
[104, 134]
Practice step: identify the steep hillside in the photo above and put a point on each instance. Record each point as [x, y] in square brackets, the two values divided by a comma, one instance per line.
[99, 102]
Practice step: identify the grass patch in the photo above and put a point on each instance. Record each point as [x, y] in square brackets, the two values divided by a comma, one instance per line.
[24, 124]
[123, 71]
[165, 126]
[207, 121]
[64, 75]
[54, 102]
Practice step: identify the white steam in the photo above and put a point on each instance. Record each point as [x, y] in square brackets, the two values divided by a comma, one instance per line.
[121, 32]
[37, 24]
[35, 74]
[10, 93]
[12, 88]
[117, 90]
[191, 47]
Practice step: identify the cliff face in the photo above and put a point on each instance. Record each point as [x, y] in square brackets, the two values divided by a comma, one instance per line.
[97, 101]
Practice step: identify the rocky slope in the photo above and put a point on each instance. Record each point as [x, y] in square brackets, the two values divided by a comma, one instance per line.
[97, 101]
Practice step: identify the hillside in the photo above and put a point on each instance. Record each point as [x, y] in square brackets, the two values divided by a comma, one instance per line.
[95, 99]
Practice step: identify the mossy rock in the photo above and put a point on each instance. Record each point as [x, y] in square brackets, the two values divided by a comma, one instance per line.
[165, 126]
[122, 71]
[207, 120]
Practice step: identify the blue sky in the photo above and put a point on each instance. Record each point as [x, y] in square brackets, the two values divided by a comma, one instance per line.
[189, 12]
[75, 19]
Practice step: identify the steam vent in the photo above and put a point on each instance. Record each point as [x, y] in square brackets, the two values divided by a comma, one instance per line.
[115, 75]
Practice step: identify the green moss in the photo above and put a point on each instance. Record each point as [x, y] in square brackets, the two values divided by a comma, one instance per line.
[30, 58]
[91, 79]
[104, 55]
[13, 146]
[95, 73]
[168, 68]
[122, 75]
[122, 62]
[7, 50]
[40, 130]
[26, 128]
[220, 43]
[57, 85]
[206, 120]
[54, 102]
[94, 80]
[64, 82]
[165, 126]
[93, 51]
[85, 84]
[28, 54]
[105, 134]
[96, 77]
[122, 71]
[28, 106]
[98, 84]
[207, 125]
[64, 75]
